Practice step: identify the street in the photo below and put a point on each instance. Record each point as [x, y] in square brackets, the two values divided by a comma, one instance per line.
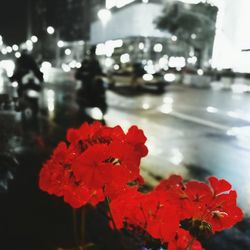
[192, 132]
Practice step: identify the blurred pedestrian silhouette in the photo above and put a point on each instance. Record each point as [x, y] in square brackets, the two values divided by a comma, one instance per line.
[92, 92]
[25, 69]
[89, 71]
[137, 72]
[29, 79]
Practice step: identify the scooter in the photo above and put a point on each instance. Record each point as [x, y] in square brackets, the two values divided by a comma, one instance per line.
[92, 99]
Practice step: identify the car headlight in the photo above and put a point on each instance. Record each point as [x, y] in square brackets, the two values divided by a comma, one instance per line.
[148, 77]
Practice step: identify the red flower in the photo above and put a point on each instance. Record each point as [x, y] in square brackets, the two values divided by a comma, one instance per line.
[100, 162]
[91, 167]
[76, 195]
[97, 158]
[182, 240]
[213, 204]
[150, 212]
[223, 212]
[219, 186]
[137, 138]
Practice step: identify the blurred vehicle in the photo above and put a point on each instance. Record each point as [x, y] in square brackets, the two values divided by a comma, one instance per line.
[158, 80]
[28, 100]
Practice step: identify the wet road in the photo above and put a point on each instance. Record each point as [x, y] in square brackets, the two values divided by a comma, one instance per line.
[192, 132]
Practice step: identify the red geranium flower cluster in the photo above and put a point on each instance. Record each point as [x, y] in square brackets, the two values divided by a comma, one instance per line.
[207, 207]
[97, 161]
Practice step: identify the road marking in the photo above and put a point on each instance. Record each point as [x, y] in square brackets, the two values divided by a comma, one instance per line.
[199, 121]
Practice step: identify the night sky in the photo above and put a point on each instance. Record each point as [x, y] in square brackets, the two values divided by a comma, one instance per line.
[13, 21]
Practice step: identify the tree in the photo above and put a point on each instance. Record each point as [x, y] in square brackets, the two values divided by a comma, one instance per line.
[193, 24]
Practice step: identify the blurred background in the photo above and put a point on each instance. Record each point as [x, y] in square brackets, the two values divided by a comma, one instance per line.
[180, 70]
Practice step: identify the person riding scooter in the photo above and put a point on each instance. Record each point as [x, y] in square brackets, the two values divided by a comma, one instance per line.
[29, 79]
[92, 91]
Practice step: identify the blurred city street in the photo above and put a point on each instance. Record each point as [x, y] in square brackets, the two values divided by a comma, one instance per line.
[177, 69]
[195, 132]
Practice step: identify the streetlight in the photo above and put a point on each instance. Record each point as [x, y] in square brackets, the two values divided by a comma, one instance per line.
[17, 54]
[15, 47]
[104, 15]
[29, 45]
[60, 44]
[34, 39]
[50, 30]
[67, 52]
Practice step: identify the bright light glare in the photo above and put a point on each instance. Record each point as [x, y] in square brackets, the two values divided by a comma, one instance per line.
[17, 54]
[158, 47]
[169, 77]
[29, 45]
[9, 49]
[34, 39]
[116, 67]
[4, 51]
[145, 106]
[1, 85]
[239, 115]
[104, 15]
[200, 72]
[65, 67]
[108, 47]
[242, 134]
[193, 36]
[148, 77]
[100, 49]
[176, 62]
[45, 66]
[95, 113]
[15, 47]
[51, 100]
[141, 46]
[192, 60]
[50, 30]
[176, 157]
[67, 52]
[14, 84]
[166, 108]
[240, 88]
[212, 110]
[60, 44]
[72, 64]
[9, 66]
[78, 65]
[174, 38]
[109, 62]
[163, 62]
[125, 58]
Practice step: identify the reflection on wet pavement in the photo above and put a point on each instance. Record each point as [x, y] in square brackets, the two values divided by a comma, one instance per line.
[187, 127]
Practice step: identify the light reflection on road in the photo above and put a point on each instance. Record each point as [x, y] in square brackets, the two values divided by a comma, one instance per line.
[209, 139]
